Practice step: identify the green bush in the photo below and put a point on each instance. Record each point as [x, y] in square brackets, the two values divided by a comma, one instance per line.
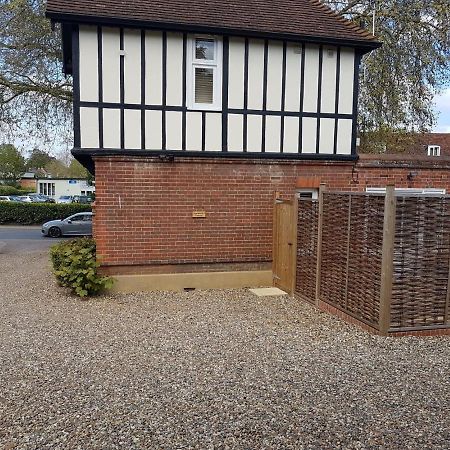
[75, 266]
[11, 190]
[38, 213]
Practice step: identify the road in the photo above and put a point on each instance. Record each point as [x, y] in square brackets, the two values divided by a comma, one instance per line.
[19, 239]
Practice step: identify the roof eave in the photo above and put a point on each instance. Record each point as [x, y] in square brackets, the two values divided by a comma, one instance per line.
[365, 45]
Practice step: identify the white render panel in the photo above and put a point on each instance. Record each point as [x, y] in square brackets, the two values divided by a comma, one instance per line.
[236, 73]
[213, 132]
[111, 65]
[235, 132]
[273, 134]
[309, 135]
[153, 130]
[111, 128]
[254, 133]
[88, 64]
[328, 94]
[132, 66]
[153, 68]
[174, 123]
[326, 138]
[274, 76]
[194, 131]
[174, 69]
[132, 129]
[346, 81]
[89, 127]
[255, 74]
[311, 78]
[344, 137]
[291, 128]
[293, 77]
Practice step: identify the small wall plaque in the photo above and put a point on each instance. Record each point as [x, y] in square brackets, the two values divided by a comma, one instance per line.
[199, 214]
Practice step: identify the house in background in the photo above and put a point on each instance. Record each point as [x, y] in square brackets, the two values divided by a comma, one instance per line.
[58, 187]
[433, 144]
[194, 115]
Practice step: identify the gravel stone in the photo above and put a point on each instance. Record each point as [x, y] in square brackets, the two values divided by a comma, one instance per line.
[206, 370]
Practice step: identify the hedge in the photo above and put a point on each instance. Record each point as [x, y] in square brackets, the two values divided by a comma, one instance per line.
[38, 213]
[11, 190]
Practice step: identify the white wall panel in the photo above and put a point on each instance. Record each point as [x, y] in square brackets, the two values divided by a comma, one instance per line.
[111, 128]
[344, 137]
[88, 64]
[111, 65]
[213, 133]
[132, 66]
[311, 78]
[274, 76]
[153, 130]
[235, 132]
[309, 135]
[293, 77]
[326, 138]
[346, 81]
[174, 69]
[153, 68]
[174, 121]
[328, 94]
[273, 134]
[194, 131]
[132, 128]
[255, 74]
[254, 133]
[89, 127]
[291, 129]
[236, 74]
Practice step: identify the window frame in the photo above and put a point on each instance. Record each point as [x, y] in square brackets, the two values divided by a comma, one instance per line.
[216, 65]
[434, 150]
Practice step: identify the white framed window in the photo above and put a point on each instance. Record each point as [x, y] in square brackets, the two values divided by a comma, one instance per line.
[204, 73]
[312, 194]
[434, 150]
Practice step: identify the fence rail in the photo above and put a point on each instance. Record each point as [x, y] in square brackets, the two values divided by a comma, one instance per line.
[383, 260]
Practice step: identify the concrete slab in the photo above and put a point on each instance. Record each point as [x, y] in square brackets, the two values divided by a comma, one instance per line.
[266, 292]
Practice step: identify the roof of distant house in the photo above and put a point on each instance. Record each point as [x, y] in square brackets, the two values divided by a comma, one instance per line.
[296, 19]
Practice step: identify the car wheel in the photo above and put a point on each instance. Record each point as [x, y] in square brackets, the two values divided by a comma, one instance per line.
[54, 232]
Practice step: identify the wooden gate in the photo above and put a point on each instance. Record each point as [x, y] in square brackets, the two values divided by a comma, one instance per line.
[284, 244]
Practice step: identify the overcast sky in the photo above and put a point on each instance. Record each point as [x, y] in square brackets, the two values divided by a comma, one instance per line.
[443, 107]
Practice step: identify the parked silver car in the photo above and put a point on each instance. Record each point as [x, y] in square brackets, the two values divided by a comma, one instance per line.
[65, 199]
[79, 224]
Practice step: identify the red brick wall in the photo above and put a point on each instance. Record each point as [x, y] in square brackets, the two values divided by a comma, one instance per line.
[143, 208]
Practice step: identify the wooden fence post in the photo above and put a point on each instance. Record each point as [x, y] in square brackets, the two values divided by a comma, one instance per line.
[387, 261]
[322, 189]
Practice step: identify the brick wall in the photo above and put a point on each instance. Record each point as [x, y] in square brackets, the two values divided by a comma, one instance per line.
[143, 208]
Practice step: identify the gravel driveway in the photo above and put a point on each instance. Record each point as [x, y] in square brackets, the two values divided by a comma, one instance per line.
[212, 369]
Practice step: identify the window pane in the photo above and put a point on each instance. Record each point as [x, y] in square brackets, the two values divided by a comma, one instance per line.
[204, 80]
[204, 49]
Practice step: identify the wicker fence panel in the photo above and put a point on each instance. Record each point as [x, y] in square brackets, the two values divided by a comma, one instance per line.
[364, 258]
[308, 214]
[334, 249]
[421, 263]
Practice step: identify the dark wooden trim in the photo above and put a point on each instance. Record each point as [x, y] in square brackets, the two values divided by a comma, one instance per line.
[225, 64]
[364, 45]
[336, 103]
[302, 99]
[263, 128]
[203, 131]
[76, 86]
[358, 57]
[122, 91]
[319, 97]
[164, 88]
[100, 84]
[143, 88]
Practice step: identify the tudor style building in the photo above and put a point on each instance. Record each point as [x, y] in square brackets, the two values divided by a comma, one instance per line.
[181, 111]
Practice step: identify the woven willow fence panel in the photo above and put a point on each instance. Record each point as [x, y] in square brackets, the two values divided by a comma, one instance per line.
[421, 263]
[352, 240]
[308, 214]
